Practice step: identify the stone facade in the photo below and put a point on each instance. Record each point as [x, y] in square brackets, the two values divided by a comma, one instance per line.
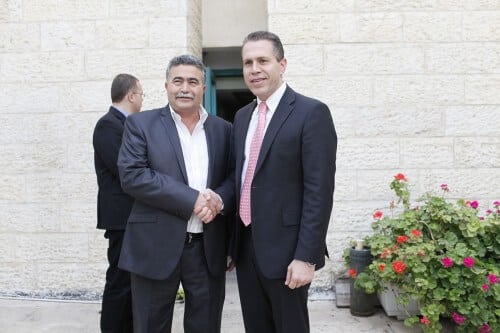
[412, 86]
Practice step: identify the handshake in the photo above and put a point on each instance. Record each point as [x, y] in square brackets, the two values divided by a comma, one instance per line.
[208, 205]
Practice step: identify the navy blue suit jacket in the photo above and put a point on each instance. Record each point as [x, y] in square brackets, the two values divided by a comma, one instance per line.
[293, 184]
[152, 170]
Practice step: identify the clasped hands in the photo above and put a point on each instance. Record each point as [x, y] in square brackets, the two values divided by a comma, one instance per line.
[207, 205]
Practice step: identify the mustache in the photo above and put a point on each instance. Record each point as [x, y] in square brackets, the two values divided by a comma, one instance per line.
[184, 95]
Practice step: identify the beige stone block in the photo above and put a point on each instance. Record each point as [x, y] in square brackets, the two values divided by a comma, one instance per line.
[397, 121]
[299, 60]
[310, 7]
[32, 129]
[168, 32]
[8, 247]
[46, 10]
[70, 277]
[374, 185]
[18, 99]
[15, 37]
[368, 153]
[17, 277]
[480, 120]
[345, 90]
[419, 90]
[68, 35]
[80, 157]
[481, 26]
[482, 4]
[12, 188]
[425, 27]
[79, 216]
[19, 158]
[77, 127]
[313, 29]
[477, 152]
[344, 121]
[18, 217]
[122, 33]
[408, 5]
[352, 216]
[53, 187]
[427, 153]
[481, 184]
[11, 10]
[482, 89]
[42, 67]
[348, 59]
[52, 247]
[463, 58]
[371, 27]
[98, 246]
[345, 184]
[87, 96]
[147, 63]
[147, 8]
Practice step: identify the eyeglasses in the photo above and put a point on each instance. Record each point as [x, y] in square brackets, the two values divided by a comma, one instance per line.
[142, 94]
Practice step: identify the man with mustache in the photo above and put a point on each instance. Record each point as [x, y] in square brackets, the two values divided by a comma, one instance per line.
[174, 161]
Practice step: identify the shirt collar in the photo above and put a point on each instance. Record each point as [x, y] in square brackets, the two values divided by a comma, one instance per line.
[202, 112]
[273, 100]
[125, 113]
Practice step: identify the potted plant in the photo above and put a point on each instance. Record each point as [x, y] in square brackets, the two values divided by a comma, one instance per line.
[443, 255]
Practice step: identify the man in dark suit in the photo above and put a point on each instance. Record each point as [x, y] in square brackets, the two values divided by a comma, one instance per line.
[285, 149]
[113, 205]
[174, 161]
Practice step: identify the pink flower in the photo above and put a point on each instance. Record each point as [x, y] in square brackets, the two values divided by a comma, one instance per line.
[472, 204]
[484, 328]
[424, 320]
[469, 262]
[496, 203]
[493, 278]
[458, 319]
[416, 233]
[400, 177]
[447, 262]
[481, 218]
[485, 287]
[489, 211]
[444, 187]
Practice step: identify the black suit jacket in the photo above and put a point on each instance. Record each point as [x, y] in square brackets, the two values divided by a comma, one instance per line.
[113, 205]
[292, 188]
[152, 170]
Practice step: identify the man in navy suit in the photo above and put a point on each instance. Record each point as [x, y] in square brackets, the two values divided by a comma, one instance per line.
[174, 162]
[113, 205]
[284, 191]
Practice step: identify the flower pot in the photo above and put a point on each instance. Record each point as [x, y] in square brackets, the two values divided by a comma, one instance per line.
[389, 302]
[342, 291]
[362, 304]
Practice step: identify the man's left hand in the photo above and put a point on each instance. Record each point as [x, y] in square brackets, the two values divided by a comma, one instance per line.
[299, 273]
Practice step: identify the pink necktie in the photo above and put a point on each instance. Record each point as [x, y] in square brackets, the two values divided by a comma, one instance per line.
[245, 212]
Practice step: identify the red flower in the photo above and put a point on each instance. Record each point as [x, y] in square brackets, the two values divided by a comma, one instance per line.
[485, 287]
[424, 320]
[378, 215]
[484, 328]
[469, 262]
[381, 267]
[493, 278]
[472, 204]
[402, 239]
[458, 319]
[400, 177]
[416, 233]
[398, 267]
[385, 253]
[447, 262]
[444, 187]
[352, 272]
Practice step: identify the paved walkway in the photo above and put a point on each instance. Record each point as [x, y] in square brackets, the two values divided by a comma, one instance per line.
[42, 316]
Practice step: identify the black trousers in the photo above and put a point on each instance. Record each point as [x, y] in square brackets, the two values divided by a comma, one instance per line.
[116, 313]
[268, 305]
[154, 300]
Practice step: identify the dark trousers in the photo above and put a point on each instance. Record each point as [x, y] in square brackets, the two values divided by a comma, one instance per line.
[116, 313]
[268, 305]
[153, 300]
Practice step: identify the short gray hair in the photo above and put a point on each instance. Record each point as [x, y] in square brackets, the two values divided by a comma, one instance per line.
[187, 59]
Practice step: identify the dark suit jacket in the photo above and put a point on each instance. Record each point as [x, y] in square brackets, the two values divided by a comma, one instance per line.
[152, 170]
[292, 188]
[113, 205]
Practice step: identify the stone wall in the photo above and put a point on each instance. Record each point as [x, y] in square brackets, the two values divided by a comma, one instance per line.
[412, 86]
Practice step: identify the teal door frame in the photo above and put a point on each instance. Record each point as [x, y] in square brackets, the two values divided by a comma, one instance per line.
[210, 97]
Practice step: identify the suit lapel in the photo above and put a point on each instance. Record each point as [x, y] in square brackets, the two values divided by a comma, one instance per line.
[240, 143]
[285, 107]
[173, 136]
[209, 134]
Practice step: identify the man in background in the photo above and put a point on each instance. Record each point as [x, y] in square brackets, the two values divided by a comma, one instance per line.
[113, 205]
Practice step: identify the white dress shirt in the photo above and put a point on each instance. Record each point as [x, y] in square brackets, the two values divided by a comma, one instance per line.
[195, 153]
